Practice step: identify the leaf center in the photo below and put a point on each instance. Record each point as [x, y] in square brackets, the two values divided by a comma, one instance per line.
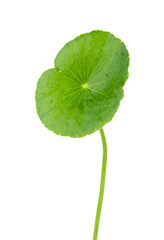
[85, 85]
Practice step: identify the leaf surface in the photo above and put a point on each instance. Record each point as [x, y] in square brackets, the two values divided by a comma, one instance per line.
[84, 89]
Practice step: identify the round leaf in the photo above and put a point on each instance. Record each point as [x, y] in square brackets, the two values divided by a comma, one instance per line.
[84, 89]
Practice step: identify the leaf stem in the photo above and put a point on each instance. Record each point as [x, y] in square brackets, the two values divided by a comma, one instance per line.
[102, 185]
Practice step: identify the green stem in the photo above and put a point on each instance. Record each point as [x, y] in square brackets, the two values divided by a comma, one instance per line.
[102, 185]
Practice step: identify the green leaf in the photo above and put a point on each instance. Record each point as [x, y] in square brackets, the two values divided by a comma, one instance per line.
[84, 89]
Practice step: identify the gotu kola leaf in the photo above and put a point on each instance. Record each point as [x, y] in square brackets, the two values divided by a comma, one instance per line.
[84, 89]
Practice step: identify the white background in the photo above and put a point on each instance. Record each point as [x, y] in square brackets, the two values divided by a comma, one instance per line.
[49, 184]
